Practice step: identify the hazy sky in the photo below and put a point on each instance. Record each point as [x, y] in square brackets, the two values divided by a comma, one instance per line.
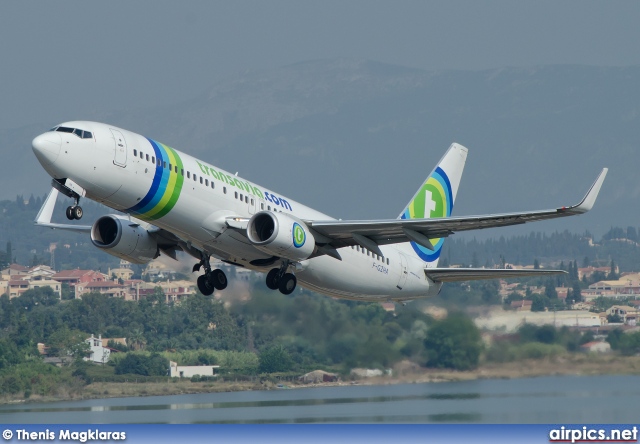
[63, 59]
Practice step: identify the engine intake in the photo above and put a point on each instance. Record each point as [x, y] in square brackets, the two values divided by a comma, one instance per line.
[281, 235]
[119, 237]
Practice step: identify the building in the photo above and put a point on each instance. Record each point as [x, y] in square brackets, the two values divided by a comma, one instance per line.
[189, 371]
[104, 287]
[627, 313]
[596, 347]
[74, 277]
[99, 353]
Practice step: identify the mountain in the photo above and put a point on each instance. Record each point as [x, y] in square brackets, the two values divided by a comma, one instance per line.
[355, 138]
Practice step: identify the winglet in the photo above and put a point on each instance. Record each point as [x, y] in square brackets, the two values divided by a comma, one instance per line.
[590, 198]
[43, 219]
[45, 213]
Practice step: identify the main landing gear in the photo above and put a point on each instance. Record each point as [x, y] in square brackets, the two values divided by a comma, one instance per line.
[211, 279]
[75, 210]
[279, 279]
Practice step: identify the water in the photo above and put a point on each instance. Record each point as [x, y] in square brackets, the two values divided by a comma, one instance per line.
[557, 399]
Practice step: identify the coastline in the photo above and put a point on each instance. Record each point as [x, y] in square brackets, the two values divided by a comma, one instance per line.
[575, 365]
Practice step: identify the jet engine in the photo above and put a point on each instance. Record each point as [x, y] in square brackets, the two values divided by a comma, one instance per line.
[281, 235]
[120, 237]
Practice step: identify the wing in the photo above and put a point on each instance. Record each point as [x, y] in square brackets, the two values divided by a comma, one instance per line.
[43, 219]
[168, 243]
[474, 274]
[371, 233]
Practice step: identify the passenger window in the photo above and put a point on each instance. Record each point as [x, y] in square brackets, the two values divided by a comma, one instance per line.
[141, 155]
[135, 153]
[200, 180]
[195, 178]
[170, 167]
[368, 253]
[387, 261]
[153, 159]
[182, 171]
[188, 175]
[159, 162]
[206, 182]
[358, 249]
[212, 185]
[251, 201]
[241, 198]
[236, 194]
[176, 169]
[269, 207]
[224, 190]
[262, 206]
[78, 133]
[87, 135]
[246, 199]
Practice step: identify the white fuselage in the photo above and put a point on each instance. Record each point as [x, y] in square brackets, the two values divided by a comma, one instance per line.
[113, 169]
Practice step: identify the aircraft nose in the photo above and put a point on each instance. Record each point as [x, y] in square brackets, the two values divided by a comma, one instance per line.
[47, 147]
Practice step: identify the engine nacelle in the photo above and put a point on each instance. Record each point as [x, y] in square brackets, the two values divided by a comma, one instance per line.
[281, 235]
[119, 237]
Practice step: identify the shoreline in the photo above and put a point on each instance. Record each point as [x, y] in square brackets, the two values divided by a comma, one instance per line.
[569, 365]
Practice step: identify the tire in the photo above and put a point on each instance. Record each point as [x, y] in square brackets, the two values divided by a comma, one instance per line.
[77, 213]
[218, 279]
[288, 283]
[272, 279]
[205, 286]
[70, 213]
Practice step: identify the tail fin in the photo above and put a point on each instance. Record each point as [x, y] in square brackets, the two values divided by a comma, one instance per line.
[435, 199]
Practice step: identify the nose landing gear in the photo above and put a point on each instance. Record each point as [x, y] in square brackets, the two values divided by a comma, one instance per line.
[211, 280]
[74, 212]
[279, 279]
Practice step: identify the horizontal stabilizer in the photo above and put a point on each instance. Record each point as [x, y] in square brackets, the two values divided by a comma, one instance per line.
[475, 274]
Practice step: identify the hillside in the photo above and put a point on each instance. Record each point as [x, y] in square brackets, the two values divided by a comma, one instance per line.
[369, 133]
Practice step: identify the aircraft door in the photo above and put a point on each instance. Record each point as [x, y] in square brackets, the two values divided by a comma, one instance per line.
[120, 158]
[403, 271]
[253, 204]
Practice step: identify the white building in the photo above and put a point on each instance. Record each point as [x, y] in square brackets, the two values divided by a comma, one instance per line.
[188, 371]
[99, 353]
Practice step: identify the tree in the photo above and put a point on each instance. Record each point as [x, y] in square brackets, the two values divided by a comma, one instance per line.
[550, 289]
[453, 342]
[576, 291]
[275, 359]
[612, 276]
[153, 365]
[538, 302]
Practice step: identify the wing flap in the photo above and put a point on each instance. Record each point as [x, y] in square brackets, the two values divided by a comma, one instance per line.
[475, 274]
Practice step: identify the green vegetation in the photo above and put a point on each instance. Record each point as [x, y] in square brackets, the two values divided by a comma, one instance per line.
[454, 343]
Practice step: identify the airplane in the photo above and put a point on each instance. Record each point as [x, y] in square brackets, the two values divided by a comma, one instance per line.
[168, 201]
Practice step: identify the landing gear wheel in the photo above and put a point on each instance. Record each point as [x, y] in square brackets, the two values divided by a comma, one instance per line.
[77, 212]
[205, 285]
[70, 213]
[287, 283]
[272, 279]
[218, 279]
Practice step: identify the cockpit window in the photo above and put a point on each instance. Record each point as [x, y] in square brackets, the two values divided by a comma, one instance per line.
[78, 132]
